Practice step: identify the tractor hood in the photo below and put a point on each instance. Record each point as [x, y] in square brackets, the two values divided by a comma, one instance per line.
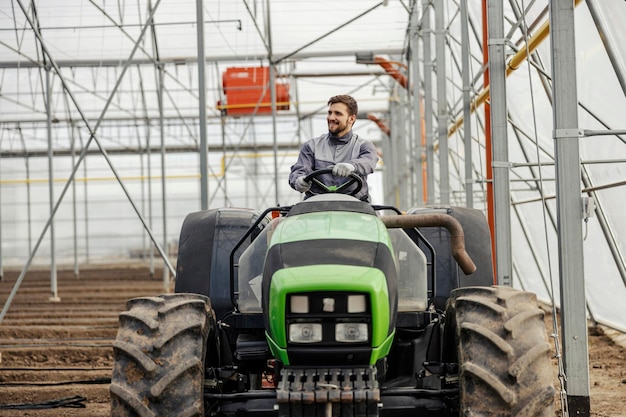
[338, 251]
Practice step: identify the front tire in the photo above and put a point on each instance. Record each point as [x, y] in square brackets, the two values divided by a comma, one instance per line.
[503, 353]
[159, 356]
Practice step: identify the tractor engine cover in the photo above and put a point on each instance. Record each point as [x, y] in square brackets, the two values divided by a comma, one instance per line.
[329, 290]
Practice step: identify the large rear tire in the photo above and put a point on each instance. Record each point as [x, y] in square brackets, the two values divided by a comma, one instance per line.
[159, 356]
[503, 353]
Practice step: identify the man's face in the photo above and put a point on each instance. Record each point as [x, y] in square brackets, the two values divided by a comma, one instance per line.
[339, 122]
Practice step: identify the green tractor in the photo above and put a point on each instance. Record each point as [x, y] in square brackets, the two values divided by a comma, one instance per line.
[331, 308]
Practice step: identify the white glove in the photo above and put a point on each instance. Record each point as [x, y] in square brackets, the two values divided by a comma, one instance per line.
[343, 169]
[302, 185]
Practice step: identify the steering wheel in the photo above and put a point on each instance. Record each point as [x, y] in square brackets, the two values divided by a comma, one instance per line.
[352, 179]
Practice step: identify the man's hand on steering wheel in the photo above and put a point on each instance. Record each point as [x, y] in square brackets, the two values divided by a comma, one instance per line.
[343, 169]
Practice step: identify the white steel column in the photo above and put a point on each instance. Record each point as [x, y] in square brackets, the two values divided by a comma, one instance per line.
[569, 206]
[609, 42]
[467, 114]
[418, 150]
[74, 203]
[166, 272]
[402, 144]
[204, 149]
[442, 103]
[273, 99]
[500, 164]
[54, 290]
[428, 105]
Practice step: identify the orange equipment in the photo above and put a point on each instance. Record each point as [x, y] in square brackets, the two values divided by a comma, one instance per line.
[247, 92]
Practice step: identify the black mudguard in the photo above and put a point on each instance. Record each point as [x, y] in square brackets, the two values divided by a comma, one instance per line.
[206, 241]
[477, 245]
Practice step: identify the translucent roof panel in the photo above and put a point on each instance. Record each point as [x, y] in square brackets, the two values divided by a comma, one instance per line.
[79, 30]
[314, 45]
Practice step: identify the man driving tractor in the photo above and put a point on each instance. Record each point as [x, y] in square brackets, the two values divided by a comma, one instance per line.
[341, 150]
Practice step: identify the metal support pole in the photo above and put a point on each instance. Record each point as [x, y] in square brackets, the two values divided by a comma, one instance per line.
[274, 130]
[255, 171]
[54, 291]
[467, 123]
[389, 168]
[394, 141]
[500, 164]
[442, 102]
[145, 184]
[29, 209]
[150, 206]
[273, 99]
[166, 272]
[411, 140]
[225, 159]
[204, 149]
[609, 42]
[297, 106]
[405, 184]
[428, 105]
[402, 137]
[418, 150]
[142, 182]
[28, 191]
[569, 206]
[74, 204]
[86, 206]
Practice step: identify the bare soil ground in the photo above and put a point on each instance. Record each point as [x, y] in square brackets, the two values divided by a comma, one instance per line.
[62, 351]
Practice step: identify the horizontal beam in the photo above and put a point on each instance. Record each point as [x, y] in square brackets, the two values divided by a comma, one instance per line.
[193, 118]
[43, 153]
[190, 60]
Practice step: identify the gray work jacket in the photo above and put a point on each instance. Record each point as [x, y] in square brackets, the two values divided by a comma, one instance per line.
[326, 150]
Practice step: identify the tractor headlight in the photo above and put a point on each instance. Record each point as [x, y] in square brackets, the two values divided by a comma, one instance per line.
[305, 332]
[351, 332]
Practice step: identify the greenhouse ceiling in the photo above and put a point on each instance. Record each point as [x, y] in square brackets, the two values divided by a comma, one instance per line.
[112, 57]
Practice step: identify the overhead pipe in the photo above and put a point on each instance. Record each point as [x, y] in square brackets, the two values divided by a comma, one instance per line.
[380, 124]
[390, 67]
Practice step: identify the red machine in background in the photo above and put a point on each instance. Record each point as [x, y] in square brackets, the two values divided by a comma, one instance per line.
[247, 92]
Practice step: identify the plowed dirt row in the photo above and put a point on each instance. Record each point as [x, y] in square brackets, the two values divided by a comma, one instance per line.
[52, 351]
[63, 350]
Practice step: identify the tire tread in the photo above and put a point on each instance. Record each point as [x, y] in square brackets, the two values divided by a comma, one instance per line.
[159, 356]
[503, 353]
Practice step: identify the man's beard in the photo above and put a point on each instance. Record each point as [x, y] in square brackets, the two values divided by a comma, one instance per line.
[336, 128]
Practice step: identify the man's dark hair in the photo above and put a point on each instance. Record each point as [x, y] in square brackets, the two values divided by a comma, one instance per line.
[349, 101]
